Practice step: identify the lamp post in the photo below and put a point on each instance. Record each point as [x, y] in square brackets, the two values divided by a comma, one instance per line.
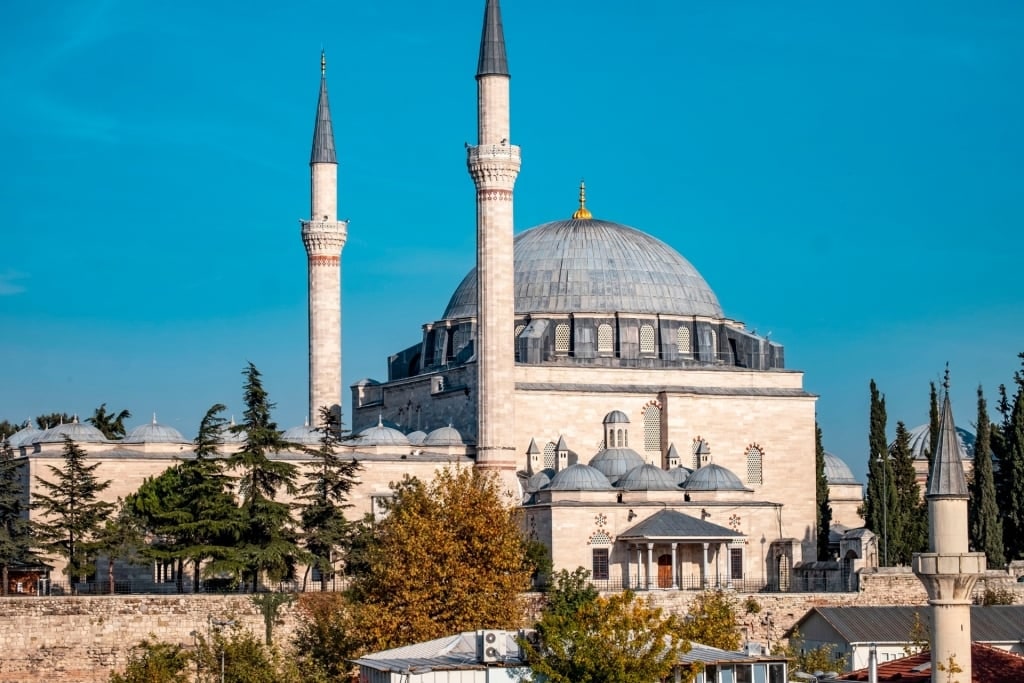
[219, 624]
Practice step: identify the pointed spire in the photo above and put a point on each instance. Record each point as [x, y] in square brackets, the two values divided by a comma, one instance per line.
[323, 132]
[561, 445]
[493, 60]
[533, 448]
[582, 213]
[946, 479]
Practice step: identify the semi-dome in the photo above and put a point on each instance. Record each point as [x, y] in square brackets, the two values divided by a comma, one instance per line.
[416, 438]
[679, 474]
[615, 462]
[647, 477]
[539, 480]
[579, 477]
[154, 432]
[837, 471]
[444, 436]
[381, 435]
[920, 440]
[713, 477]
[23, 436]
[76, 431]
[599, 267]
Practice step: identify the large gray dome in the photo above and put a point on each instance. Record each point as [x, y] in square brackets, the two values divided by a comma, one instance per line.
[837, 471]
[647, 477]
[154, 432]
[920, 440]
[598, 267]
[579, 477]
[615, 462]
[713, 478]
[76, 431]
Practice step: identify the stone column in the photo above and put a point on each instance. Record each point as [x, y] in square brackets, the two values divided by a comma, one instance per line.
[675, 574]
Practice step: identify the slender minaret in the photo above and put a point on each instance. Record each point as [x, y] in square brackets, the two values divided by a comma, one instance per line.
[949, 571]
[494, 164]
[324, 237]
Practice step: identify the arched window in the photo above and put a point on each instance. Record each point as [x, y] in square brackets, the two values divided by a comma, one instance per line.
[549, 455]
[519, 331]
[714, 345]
[652, 428]
[604, 338]
[646, 339]
[683, 340]
[562, 338]
[755, 459]
[620, 442]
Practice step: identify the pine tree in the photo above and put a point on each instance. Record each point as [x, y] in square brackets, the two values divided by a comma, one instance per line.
[15, 530]
[269, 543]
[329, 480]
[986, 529]
[120, 538]
[824, 510]
[909, 518]
[881, 498]
[73, 513]
[1012, 472]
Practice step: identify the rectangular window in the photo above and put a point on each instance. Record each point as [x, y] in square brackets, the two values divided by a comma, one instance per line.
[736, 563]
[600, 566]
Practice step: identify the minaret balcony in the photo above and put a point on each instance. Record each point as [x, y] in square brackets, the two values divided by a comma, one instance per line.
[476, 154]
[947, 564]
[324, 236]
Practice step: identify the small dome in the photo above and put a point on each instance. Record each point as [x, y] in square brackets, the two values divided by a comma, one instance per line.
[444, 436]
[23, 436]
[579, 477]
[228, 433]
[837, 471]
[154, 432]
[302, 434]
[679, 474]
[615, 462]
[381, 435]
[76, 431]
[615, 417]
[647, 477]
[920, 440]
[713, 478]
[539, 480]
[416, 438]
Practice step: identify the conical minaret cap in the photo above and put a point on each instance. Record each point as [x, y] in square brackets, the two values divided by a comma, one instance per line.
[323, 132]
[946, 479]
[493, 60]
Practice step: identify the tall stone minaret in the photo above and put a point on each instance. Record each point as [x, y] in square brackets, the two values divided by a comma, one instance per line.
[494, 164]
[324, 236]
[949, 571]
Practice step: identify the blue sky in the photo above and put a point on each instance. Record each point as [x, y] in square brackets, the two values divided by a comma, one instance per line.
[846, 176]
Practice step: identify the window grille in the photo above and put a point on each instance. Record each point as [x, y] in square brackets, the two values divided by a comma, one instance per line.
[600, 537]
[695, 451]
[652, 428]
[562, 338]
[736, 563]
[519, 331]
[604, 338]
[646, 339]
[683, 340]
[754, 465]
[599, 569]
[549, 455]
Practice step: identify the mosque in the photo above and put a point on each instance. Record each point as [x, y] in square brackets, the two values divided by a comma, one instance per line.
[647, 436]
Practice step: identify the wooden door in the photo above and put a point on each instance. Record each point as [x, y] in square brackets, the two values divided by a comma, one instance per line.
[665, 571]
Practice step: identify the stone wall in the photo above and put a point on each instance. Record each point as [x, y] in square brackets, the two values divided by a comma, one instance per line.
[83, 638]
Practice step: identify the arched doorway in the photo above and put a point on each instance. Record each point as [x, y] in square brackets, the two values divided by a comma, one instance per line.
[664, 571]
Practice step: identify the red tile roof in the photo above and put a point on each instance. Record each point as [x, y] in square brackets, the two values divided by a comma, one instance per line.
[988, 665]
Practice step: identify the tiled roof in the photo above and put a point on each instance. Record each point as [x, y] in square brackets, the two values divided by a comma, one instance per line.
[989, 624]
[988, 665]
[673, 524]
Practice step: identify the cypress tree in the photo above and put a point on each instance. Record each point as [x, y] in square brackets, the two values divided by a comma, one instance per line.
[986, 529]
[1012, 472]
[73, 513]
[908, 517]
[269, 542]
[824, 510]
[881, 498]
[933, 425]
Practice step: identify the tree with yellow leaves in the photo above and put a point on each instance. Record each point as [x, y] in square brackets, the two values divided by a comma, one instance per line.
[448, 557]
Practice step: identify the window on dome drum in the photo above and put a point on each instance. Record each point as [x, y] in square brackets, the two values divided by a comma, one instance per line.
[755, 458]
[562, 338]
[519, 331]
[599, 567]
[604, 338]
[714, 345]
[736, 563]
[683, 341]
[549, 455]
[646, 339]
[652, 428]
[620, 442]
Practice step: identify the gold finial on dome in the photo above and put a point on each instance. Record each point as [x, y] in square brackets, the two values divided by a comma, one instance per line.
[582, 213]
[323, 62]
